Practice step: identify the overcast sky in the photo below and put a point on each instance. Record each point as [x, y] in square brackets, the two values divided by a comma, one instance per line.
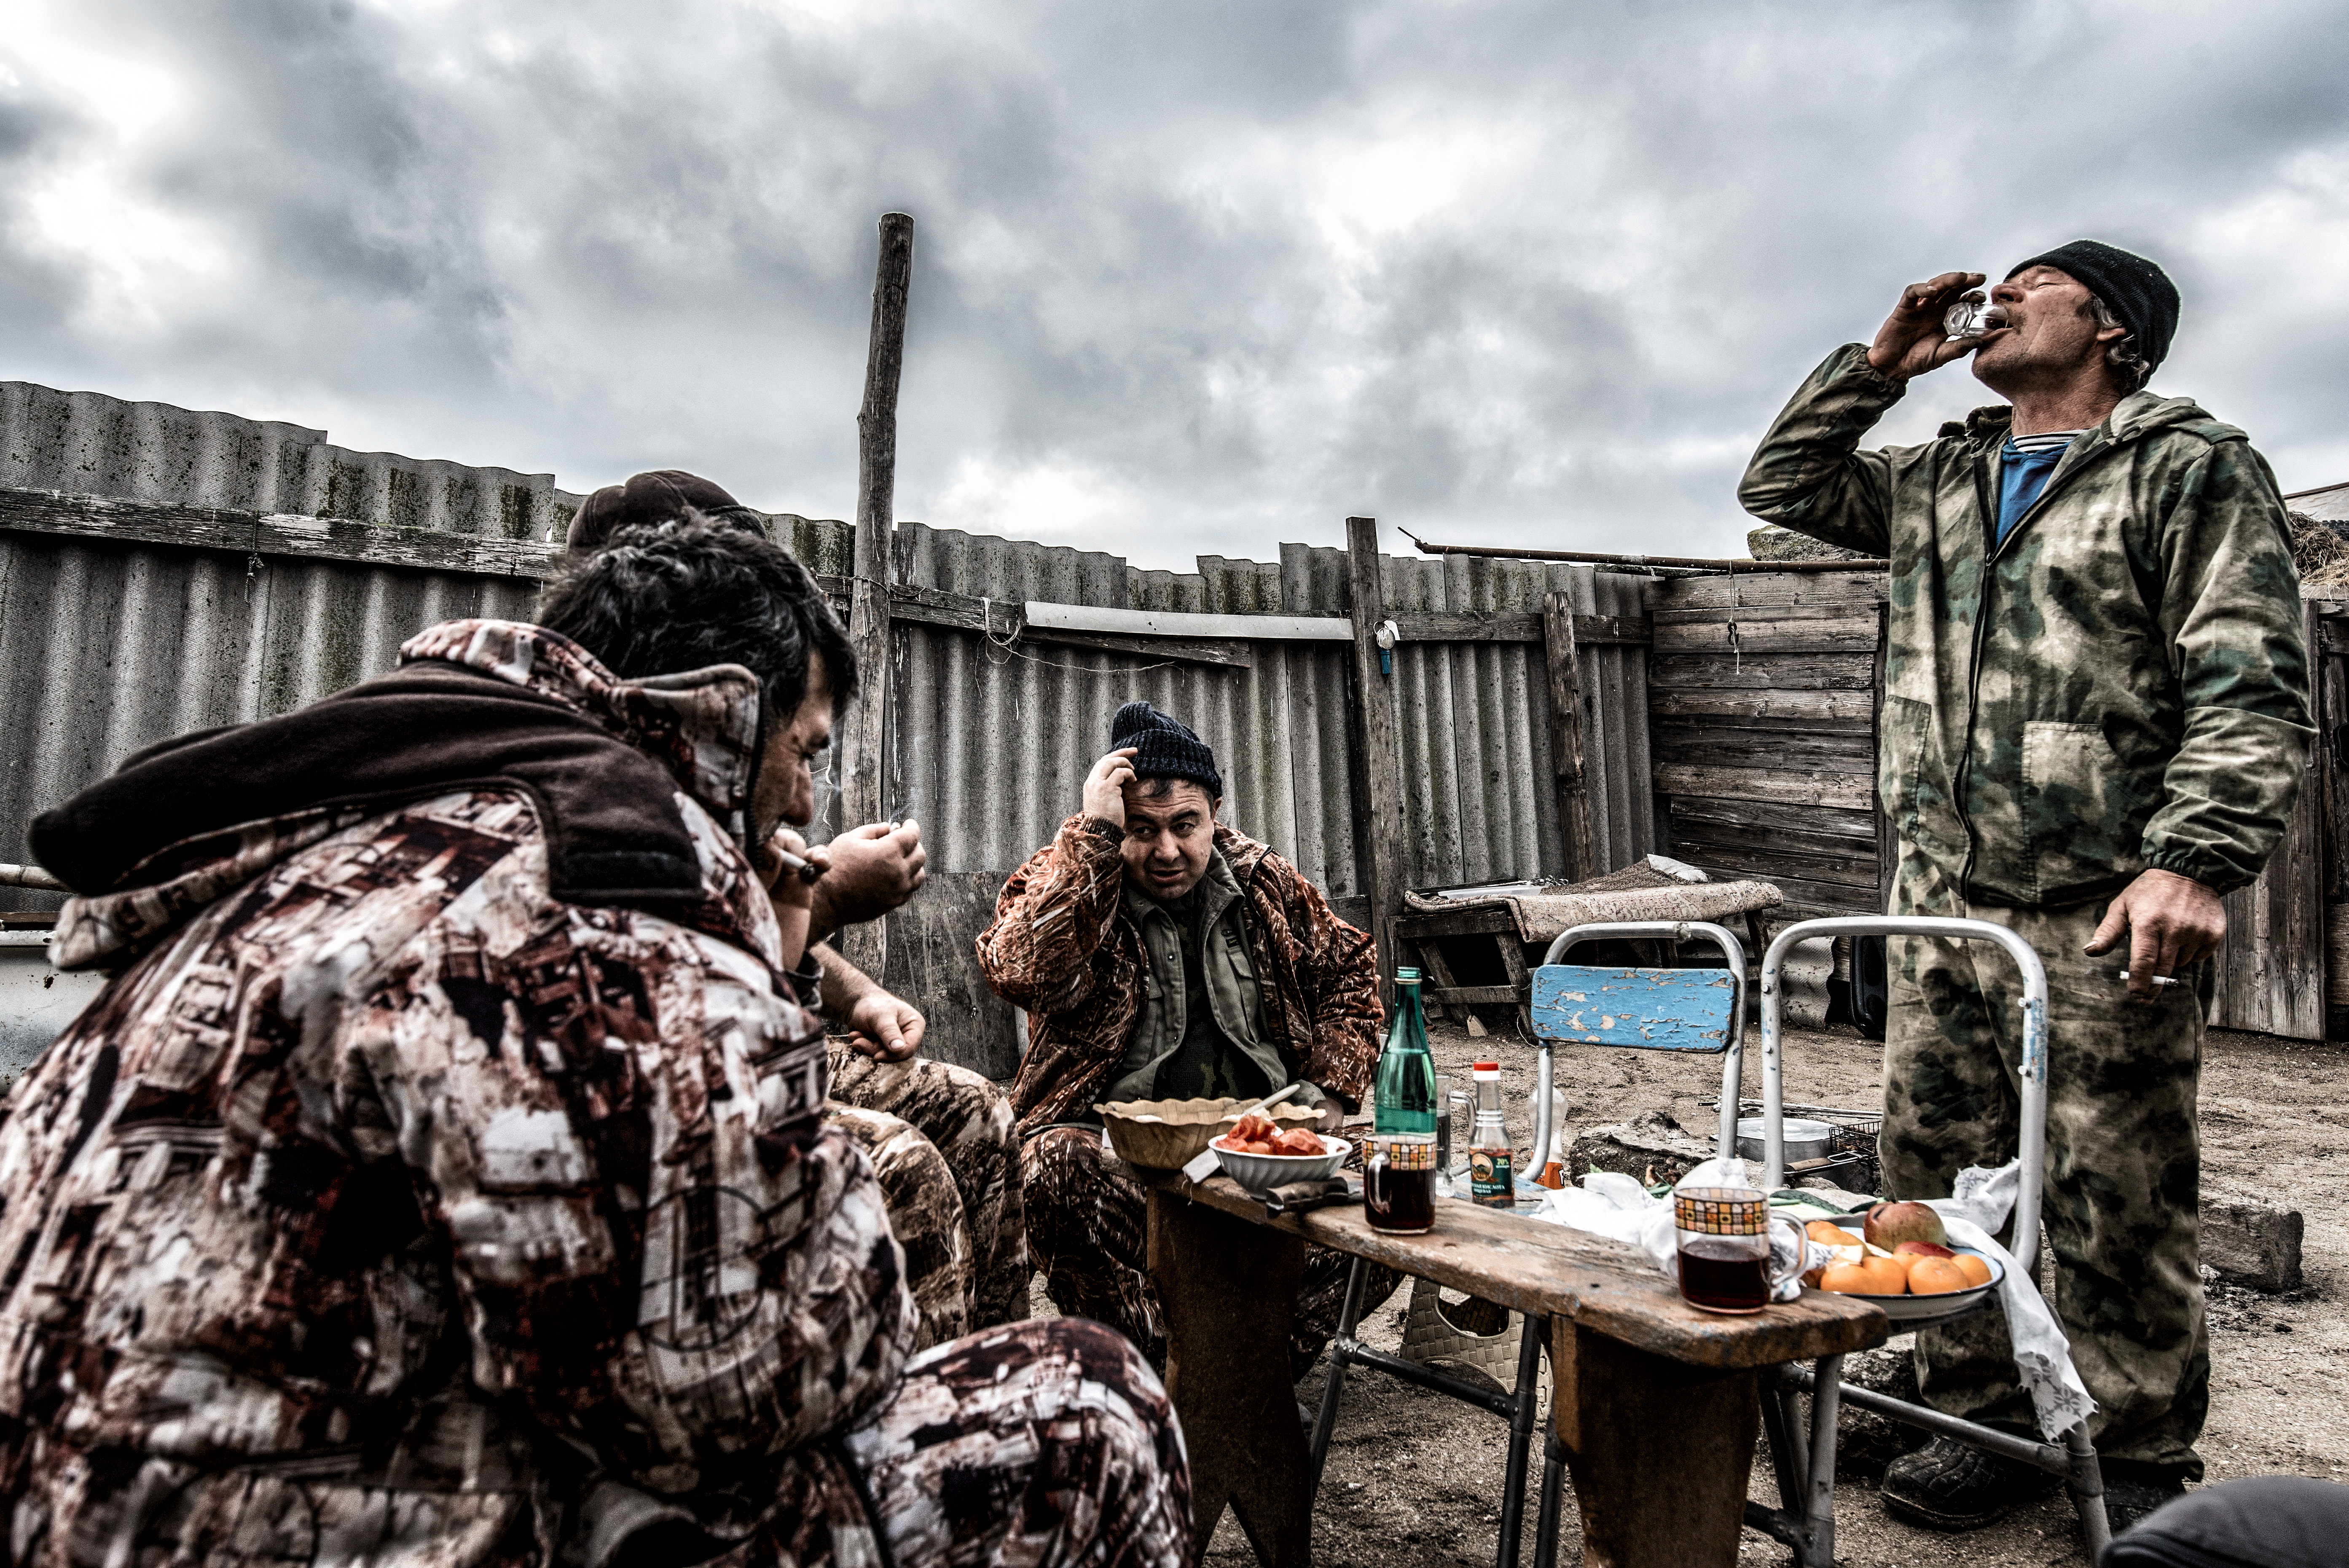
[1188, 277]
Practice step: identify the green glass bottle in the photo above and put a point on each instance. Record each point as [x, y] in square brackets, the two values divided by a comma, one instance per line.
[1404, 1100]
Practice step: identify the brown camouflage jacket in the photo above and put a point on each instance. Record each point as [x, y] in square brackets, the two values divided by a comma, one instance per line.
[386, 1207]
[1063, 949]
[2120, 683]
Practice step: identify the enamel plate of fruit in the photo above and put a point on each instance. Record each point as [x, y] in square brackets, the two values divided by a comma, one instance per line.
[1901, 1259]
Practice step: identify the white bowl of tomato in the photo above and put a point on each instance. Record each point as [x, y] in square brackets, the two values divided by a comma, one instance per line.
[1260, 1156]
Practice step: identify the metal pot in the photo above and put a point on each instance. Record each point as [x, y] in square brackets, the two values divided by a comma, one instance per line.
[1805, 1140]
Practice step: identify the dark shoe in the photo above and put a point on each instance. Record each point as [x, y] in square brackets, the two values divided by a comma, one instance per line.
[1946, 1485]
[2134, 1490]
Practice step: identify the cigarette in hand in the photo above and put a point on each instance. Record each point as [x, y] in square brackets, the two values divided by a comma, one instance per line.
[809, 871]
[2158, 980]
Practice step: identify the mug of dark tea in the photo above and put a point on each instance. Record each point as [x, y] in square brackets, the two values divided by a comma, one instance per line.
[1399, 1182]
[1725, 1248]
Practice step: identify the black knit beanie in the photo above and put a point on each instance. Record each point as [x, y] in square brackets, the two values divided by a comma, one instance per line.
[662, 495]
[1168, 748]
[2138, 293]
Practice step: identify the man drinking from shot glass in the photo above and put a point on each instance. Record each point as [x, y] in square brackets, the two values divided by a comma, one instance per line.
[2095, 718]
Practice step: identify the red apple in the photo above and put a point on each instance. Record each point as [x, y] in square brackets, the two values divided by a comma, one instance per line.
[1890, 1224]
[1922, 1250]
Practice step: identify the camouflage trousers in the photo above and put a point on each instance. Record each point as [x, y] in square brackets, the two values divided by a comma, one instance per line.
[1088, 1223]
[1040, 1443]
[942, 1144]
[2121, 1209]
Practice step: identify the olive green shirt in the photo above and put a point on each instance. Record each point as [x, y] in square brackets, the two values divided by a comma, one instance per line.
[1201, 1033]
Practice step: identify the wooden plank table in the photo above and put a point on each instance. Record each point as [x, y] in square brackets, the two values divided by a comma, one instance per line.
[1656, 1403]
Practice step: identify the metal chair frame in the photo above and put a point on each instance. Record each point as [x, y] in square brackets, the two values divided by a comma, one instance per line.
[1517, 1407]
[1803, 1460]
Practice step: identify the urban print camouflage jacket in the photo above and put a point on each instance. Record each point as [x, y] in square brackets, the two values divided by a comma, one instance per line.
[2121, 684]
[387, 1209]
[1063, 949]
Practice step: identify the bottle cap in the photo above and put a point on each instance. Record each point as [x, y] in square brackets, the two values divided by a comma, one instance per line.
[1406, 977]
[1485, 1069]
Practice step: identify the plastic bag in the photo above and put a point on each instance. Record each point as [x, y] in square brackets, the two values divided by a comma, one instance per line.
[1606, 1204]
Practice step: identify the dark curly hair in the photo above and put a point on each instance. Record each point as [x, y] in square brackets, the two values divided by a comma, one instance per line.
[686, 594]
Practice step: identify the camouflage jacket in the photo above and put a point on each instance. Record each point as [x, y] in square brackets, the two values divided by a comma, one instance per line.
[387, 1207]
[2120, 685]
[1063, 948]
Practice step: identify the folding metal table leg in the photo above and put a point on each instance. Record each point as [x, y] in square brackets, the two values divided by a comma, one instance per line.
[1826, 1405]
[1334, 1379]
[2085, 1478]
[1553, 1499]
[1531, 1332]
[1782, 1424]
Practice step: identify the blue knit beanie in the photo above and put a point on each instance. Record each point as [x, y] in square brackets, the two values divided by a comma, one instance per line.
[1167, 748]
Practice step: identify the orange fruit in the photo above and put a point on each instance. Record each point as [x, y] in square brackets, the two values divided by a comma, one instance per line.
[1847, 1279]
[1890, 1274]
[1827, 1233]
[1976, 1270]
[1936, 1277]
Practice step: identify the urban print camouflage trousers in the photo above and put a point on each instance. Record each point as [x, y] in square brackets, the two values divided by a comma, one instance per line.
[1039, 1443]
[1044, 1443]
[1088, 1223]
[2121, 1211]
[942, 1144]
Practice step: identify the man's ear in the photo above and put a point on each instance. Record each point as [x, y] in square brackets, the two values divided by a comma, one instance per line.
[1215, 808]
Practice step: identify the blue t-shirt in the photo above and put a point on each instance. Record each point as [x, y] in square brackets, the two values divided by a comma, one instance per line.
[2024, 463]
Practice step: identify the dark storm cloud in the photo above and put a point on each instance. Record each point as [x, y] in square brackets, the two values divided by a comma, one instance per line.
[1189, 278]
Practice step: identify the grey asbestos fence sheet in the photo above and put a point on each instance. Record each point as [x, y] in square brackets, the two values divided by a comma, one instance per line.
[108, 647]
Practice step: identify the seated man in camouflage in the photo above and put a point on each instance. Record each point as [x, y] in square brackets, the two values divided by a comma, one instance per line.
[940, 1137]
[442, 1179]
[1160, 955]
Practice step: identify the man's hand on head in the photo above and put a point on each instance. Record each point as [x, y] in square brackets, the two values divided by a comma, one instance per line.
[884, 1028]
[873, 869]
[2171, 920]
[1912, 341]
[1105, 786]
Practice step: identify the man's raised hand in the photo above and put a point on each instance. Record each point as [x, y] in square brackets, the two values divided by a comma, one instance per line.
[873, 868]
[1912, 341]
[1105, 786]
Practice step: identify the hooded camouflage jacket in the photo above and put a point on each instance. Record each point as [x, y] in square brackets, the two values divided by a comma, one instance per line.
[388, 1208]
[1064, 948]
[2120, 685]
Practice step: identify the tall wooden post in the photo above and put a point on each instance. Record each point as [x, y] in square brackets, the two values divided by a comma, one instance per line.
[1575, 824]
[864, 737]
[1380, 797]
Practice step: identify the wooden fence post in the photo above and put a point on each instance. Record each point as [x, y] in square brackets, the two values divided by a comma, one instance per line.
[865, 785]
[1381, 774]
[1574, 825]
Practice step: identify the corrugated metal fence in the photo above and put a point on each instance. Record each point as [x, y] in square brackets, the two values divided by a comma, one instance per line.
[109, 645]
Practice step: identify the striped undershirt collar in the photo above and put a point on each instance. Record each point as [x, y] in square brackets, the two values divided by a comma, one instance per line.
[2044, 442]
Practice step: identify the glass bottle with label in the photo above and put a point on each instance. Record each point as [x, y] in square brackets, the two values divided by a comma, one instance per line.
[1404, 1098]
[1492, 1176]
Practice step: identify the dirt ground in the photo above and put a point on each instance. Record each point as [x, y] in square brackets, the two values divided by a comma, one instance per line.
[1414, 1479]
